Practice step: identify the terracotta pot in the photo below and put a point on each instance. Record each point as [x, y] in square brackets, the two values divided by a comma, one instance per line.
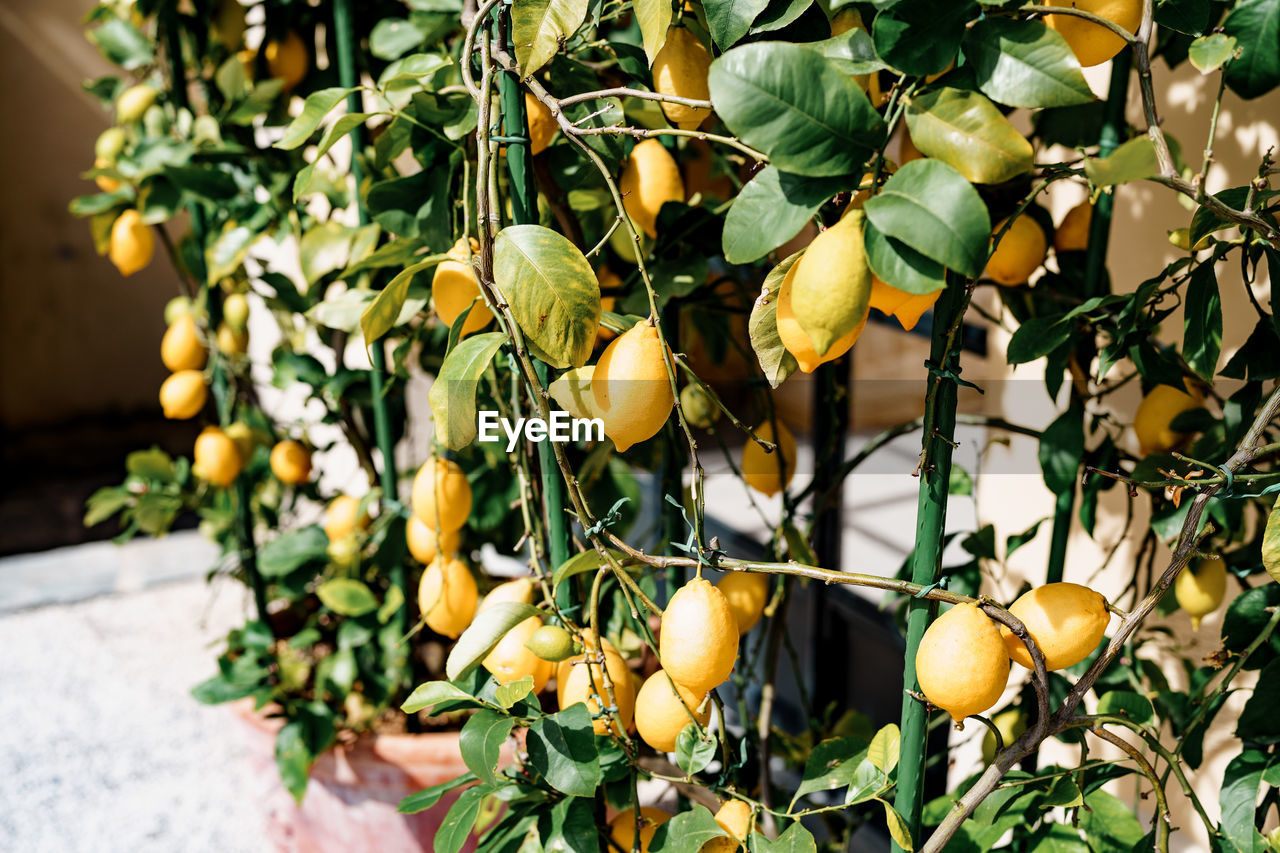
[350, 806]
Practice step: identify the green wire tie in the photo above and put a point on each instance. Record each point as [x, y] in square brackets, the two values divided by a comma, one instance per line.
[950, 375]
[1227, 474]
[512, 139]
[941, 583]
[610, 518]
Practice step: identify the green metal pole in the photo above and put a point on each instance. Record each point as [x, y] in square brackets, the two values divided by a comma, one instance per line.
[348, 78]
[213, 300]
[926, 557]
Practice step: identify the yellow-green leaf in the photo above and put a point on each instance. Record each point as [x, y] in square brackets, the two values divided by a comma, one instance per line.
[453, 395]
[1271, 543]
[967, 132]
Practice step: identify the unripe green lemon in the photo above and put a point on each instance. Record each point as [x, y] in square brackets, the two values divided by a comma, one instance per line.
[1011, 724]
[109, 144]
[175, 308]
[620, 241]
[698, 407]
[1200, 589]
[154, 121]
[235, 311]
[134, 102]
[1066, 620]
[551, 642]
[961, 663]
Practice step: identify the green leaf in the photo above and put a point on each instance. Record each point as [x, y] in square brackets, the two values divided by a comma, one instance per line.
[432, 693]
[1036, 338]
[693, 751]
[867, 782]
[562, 748]
[654, 18]
[553, 292]
[796, 839]
[1211, 52]
[1255, 25]
[539, 27]
[899, 265]
[686, 832]
[967, 132]
[771, 209]
[291, 550]
[852, 52]
[930, 207]
[1109, 824]
[1135, 160]
[1258, 722]
[883, 752]
[898, 827]
[481, 742]
[416, 206]
[317, 106]
[383, 313]
[1127, 704]
[830, 765]
[921, 37]
[347, 597]
[762, 328]
[573, 827]
[483, 634]
[122, 43]
[1271, 543]
[453, 395]
[1025, 64]
[294, 758]
[153, 464]
[779, 14]
[796, 106]
[428, 797]
[459, 820]
[1202, 323]
[340, 128]
[1063, 793]
[583, 561]
[729, 20]
[512, 692]
[1017, 540]
[104, 503]
[1061, 449]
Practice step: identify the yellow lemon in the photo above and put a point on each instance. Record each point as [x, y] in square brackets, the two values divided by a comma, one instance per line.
[649, 180]
[908, 308]
[907, 150]
[441, 495]
[566, 665]
[1092, 43]
[663, 709]
[511, 660]
[831, 286]
[291, 462]
[845, 20]
[242, 434]
[216, 458]
[1200, 589]
[624, 828]
[734, 818]
[228, 24]
[181, 347]
[235, 311]
[105, 183]
[232, 341]
[631, 387]
[519, 590]
[1072, 233]
[425, 543]
[542, 124]
[342, 516]
[793, 337]
[608, 280]
[1066, 620]
[680, 70]
[585, 682]
[763, 471]
[747, 594]
[447, 596]
[183, 395]
[131, 245]
[287, 60]
[699, 640]
[1156, 411]
[1020, 253]
[1011, 724]
[961, 663]
[454, 287]
[134, 102]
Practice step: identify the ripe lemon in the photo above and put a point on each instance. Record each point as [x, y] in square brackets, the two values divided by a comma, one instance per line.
[831, 288]
[793, 337]
[232, 342]
[425, 543]
[1156, 411]
[235, 311]
[699, 409]
[551, 643]
[519, 590]
[845, 20]
[734, 818]
[908, 308]
[1020, 253]
[649, 180]
[511, 660]
[454, 287]
[961, 663]
[1066, 620]
[1091, 43]
[441, 495]
[680, 70]
[907, 150]
[216, 458]
[631, 387]
[1072, 234]
[342, 516]
[447, 596]
[585, 681]
[105, 183]
[131, 245]
[623, 828]
[542, 124]
[134, 102]
[747, 594]
[664, 709]
[565, 667]
[287, 60]
[242, 434]
[699, 640]
[183, 395]
[760, 469]
[291, 462]
[1011, 724]
[1200, 589]
[181, 347]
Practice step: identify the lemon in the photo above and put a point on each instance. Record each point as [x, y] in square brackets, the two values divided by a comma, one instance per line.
[649, 180]
[1200, 590]
[663, 709]
[1156, 411]
[680, 69]
[216, 458]
[228, 24]
[734, 818]
[907, 150]
[441, 495]
[845, 20]
[542, 124]
[793, 337]
[235, 311]
[1011, 724]
[175, 308]
[631, 387]
[551, 643]
[699, 409]
[961, 664]
[183, 395]
[232, 342]
[831, 286]
[242, 434]
[1072, 234]
[760, 469]
[747, 594]
[287, 60]
[291, 462]
[624, 828]
[699, 640]
[134, 102]
[1066, 620]
[105, 183]
[447, 596]
[908, 308]
[585, 681]
[511, 659]
[519, 590]
[627, 249]
[1020, 253]
[566, 666]
[1092, 43]
[454, 287]
[425, 543]
[131, 245]
[342, 516]
[109, 145]
[608, 280]
[181, 347]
